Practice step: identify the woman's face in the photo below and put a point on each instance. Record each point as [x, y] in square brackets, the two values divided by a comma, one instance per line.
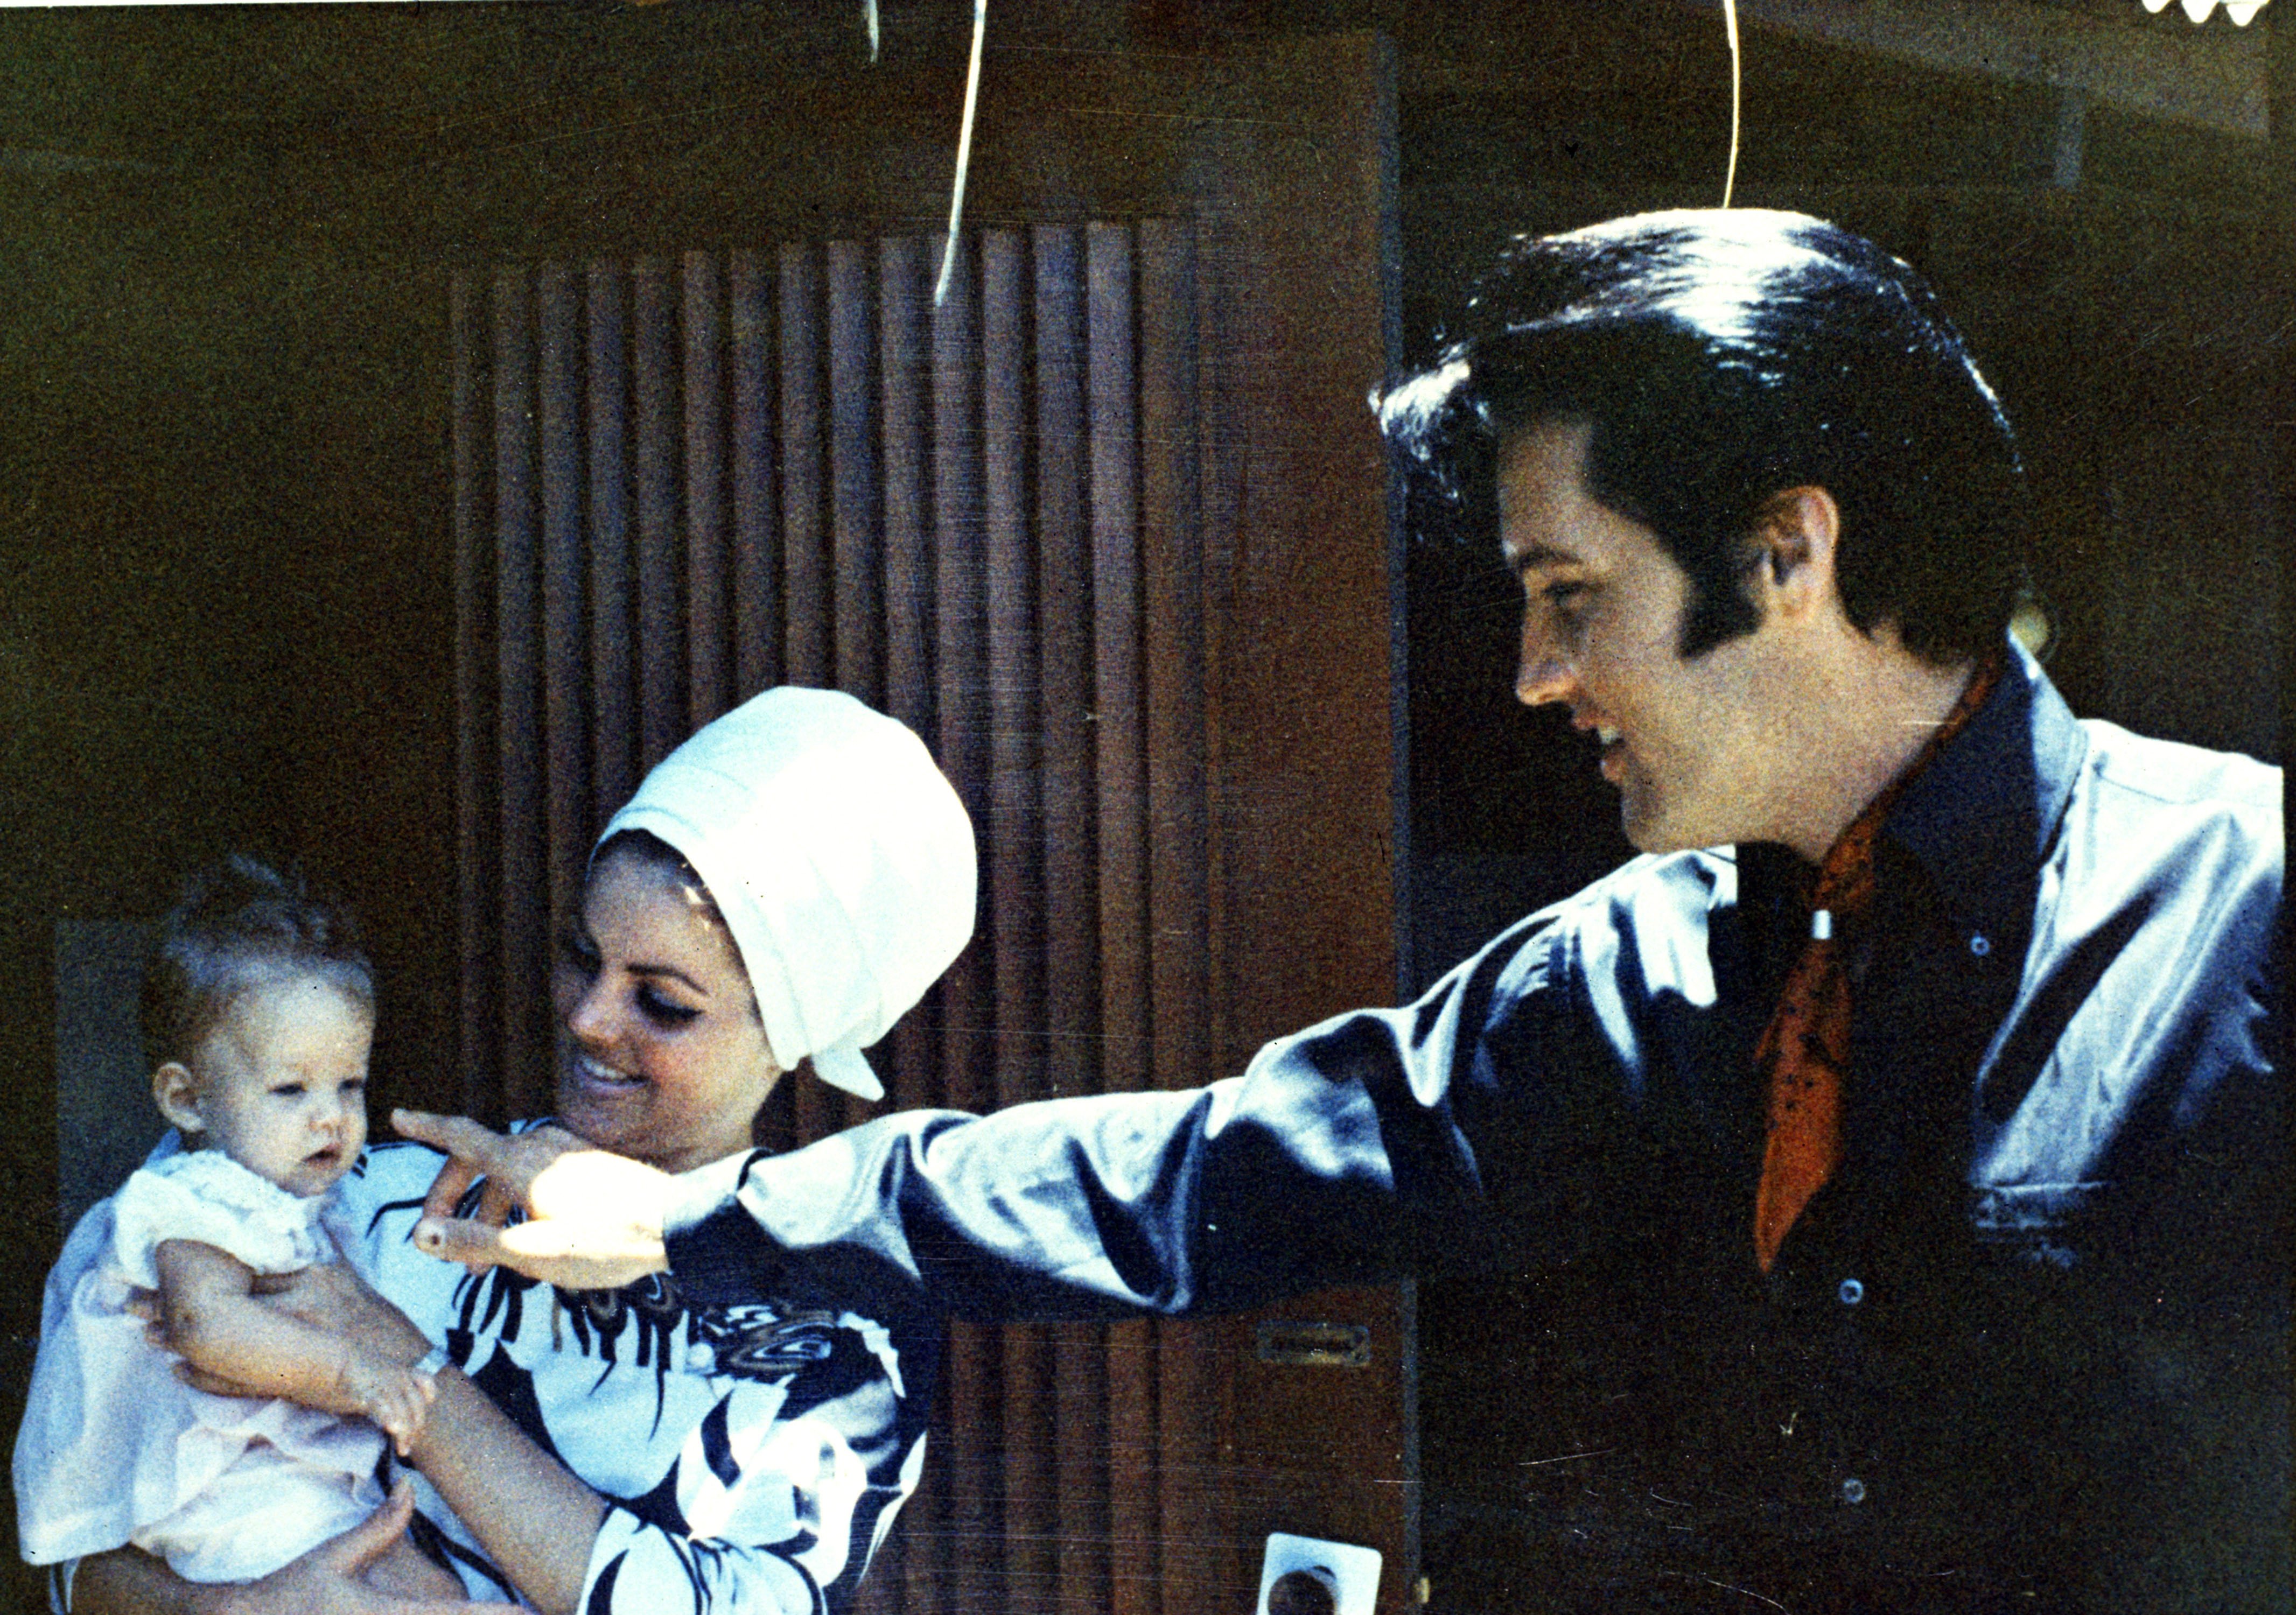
[661, 1056]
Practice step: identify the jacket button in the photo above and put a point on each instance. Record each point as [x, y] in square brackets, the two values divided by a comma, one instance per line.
[1851, 1292]
[1853, 1490]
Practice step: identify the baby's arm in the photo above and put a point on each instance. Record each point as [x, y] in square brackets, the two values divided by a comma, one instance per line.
[214, 1320]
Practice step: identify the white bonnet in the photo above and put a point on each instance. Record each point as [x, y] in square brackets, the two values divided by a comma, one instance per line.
[840, 856]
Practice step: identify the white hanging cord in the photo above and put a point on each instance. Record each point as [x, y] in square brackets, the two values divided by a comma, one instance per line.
[869, 21]
[1730, 21]
[963, 150]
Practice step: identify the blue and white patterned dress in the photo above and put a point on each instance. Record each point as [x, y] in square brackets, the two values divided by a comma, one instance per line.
[752, 1456]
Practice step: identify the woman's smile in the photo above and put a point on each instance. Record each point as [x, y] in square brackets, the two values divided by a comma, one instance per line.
[595, 1070]
[660, 1057]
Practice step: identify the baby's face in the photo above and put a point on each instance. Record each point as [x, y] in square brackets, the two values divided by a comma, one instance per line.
[282, 1082]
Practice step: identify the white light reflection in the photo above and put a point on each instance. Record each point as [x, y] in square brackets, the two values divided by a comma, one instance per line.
[2241, 11]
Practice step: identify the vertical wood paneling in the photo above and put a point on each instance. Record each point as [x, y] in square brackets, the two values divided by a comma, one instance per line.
[985, 518]
[661, 628]
[855, 510]
[1069, 942]
[1014, 868]
[757, 539]
[708, 652]
[807, 600]
[478, 776]
[566, 775]
[614, 729]
[1009, 578]
[905, 366]
[523, 881]
[1066, 724]
[1120, 791]
[1172, 598]
[960, 647]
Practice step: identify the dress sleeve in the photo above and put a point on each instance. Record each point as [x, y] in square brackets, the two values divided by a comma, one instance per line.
[1347, 1153]
[780, 1496]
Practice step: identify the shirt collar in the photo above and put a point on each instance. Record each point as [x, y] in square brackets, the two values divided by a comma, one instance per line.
[1981, 816]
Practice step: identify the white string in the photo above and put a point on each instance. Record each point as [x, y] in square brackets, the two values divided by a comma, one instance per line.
[1730, 21]
[963, 150]
[869, 21]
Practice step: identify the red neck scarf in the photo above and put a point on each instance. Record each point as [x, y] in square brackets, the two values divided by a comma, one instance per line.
[1805, 1051]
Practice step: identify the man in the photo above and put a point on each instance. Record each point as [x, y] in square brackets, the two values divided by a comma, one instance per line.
[1905, 1121]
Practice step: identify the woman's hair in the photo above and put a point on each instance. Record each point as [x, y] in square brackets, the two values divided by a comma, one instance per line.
[239, 924]
[1720, 358]
[649, 849]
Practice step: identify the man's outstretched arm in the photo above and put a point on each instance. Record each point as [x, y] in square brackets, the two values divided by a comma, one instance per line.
[1359, 1150]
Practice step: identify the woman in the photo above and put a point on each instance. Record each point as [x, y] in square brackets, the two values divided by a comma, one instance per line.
[782, 886]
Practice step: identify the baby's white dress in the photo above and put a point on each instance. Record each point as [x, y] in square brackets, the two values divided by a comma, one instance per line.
[114, 1448]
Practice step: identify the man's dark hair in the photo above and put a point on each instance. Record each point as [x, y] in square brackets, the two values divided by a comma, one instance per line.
[240, 923]
[1720, 357]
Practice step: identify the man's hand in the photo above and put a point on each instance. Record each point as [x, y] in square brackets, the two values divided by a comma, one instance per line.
[594, 1220]
[329, 1579]
[507, 1162]
[596, 1223]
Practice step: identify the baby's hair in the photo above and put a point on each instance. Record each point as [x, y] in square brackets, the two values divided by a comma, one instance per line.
[238, 922]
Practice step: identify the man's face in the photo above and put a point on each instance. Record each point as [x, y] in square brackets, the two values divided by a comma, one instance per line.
[1695, 745]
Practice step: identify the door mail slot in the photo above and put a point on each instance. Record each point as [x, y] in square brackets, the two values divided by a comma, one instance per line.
[1292, 1345]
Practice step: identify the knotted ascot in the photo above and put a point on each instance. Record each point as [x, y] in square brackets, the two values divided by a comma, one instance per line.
[840, 856]
[1805, 1050]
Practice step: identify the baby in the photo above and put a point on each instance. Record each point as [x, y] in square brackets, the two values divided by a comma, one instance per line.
[258, 1008]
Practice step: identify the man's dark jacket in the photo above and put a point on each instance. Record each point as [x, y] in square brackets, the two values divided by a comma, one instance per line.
[2026, 1351]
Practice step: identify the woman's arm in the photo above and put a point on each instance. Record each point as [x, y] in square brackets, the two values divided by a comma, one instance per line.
[325, 1581]
[214, 1320]
[543, 1528]
[535, 1519]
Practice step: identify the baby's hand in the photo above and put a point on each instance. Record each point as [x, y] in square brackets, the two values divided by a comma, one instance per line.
[397, 1398]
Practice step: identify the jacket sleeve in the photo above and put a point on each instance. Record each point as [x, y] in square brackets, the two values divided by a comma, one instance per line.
[1347, 1153]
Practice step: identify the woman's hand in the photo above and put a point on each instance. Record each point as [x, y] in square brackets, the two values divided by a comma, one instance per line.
[319, 1336]
[331, 1579]
[594, 1220]
[330, 1296]
[399, 1399]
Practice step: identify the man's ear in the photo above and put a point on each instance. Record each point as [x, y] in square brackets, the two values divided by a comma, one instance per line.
[1797, 538]
[178, 1097]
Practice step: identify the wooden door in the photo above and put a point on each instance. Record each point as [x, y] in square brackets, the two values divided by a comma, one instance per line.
[1111, 527]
